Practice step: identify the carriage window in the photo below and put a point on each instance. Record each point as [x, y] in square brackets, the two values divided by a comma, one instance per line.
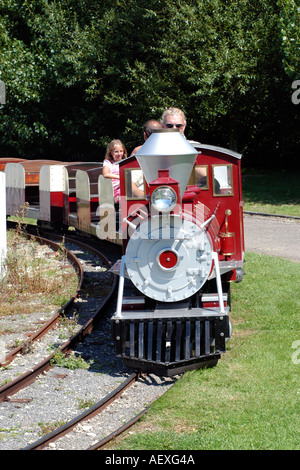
[134, 183]
[222, 180]
[199, 177]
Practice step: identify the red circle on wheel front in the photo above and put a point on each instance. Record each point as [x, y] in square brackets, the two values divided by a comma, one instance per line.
[168, 259]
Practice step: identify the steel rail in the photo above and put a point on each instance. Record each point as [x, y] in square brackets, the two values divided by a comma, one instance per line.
[9, 389]
[101, 444]
[53, 321]
[88, 414]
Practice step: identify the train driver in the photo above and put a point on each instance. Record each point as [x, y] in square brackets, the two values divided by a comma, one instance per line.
[174, 118]
[137, 179]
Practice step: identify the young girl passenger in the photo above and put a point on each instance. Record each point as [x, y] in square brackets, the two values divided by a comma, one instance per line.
[115, 152]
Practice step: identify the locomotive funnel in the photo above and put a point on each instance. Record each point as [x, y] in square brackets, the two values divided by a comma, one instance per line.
[167, 149]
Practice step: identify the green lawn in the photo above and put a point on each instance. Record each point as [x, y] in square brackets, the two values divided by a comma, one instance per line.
[272, 192]
[251, 399]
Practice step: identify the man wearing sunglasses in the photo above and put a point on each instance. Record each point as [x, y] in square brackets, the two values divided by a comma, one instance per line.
[174, 118]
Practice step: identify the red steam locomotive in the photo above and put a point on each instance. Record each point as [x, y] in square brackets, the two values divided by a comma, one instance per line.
[183, 243]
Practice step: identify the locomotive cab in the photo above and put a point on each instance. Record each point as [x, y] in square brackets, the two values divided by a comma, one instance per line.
[171, 254]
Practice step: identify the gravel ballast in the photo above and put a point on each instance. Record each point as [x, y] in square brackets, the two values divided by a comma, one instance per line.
[61, 394]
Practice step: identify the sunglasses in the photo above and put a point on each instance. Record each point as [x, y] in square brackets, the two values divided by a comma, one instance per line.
[174, 125]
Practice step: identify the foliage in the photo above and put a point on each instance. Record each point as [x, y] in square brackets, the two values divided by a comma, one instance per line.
[290, 27]
[81, 73]
[59, 359]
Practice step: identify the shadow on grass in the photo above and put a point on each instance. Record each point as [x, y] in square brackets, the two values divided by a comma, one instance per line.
[275, 188]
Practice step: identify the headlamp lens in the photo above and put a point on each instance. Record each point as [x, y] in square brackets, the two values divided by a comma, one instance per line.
[164, 199]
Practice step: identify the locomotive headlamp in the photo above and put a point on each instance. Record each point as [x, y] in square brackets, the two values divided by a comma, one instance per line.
[164, 199]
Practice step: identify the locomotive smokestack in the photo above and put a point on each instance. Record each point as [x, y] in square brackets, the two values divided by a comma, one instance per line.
[167, 149]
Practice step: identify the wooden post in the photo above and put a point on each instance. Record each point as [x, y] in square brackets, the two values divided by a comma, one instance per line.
[3, 241]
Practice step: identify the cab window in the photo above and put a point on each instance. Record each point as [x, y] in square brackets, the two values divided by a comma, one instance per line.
[199, 176]
[222, 180]
[134, 183]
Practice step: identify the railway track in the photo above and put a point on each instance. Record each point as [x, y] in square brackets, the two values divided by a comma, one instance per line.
[106, 417]
[90, 413]
[73, 433]
[38, 334]
[117, 407]
[11, 388]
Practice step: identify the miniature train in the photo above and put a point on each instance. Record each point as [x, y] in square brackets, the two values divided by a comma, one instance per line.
[181, 234]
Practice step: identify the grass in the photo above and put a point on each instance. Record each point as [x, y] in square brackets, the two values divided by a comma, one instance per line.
[33, 280]
[250, 400]
[72, 361]
[272, 192]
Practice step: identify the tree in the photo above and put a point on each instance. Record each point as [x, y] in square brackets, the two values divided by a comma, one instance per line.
[290, 27]
[88, 71]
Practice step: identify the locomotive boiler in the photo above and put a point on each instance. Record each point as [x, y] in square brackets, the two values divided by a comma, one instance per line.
[182, 246]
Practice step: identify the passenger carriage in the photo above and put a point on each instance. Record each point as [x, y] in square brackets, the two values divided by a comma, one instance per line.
[23, 186]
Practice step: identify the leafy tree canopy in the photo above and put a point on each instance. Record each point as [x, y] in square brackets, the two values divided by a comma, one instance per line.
[80, 73]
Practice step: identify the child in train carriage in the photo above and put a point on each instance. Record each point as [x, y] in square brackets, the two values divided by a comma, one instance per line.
[115, 152]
